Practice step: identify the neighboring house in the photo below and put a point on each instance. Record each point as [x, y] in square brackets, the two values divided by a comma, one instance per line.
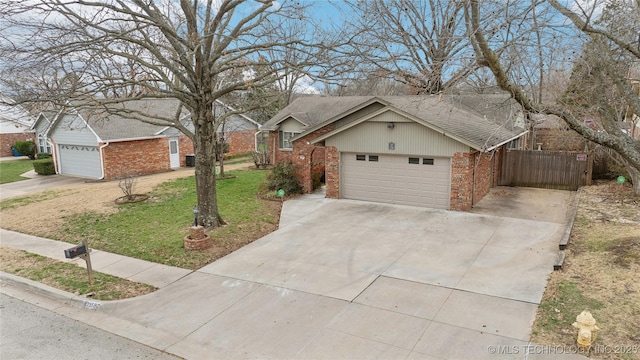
[99, 145]
[15, 125]
[238, 131]
[413, 150]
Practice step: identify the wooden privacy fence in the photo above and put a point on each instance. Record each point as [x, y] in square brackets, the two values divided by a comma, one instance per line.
[546, 169]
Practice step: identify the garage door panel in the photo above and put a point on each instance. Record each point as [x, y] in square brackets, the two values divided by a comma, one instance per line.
[392, 179]
[80, 161]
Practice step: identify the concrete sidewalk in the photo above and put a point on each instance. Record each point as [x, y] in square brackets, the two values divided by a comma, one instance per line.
[124, 267]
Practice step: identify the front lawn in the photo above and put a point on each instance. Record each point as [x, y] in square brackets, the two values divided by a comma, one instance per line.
[69, 277]
[11, 170]
[600, 274]
[154, 230]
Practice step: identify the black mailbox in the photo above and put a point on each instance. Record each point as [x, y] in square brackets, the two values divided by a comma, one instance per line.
[75, 251]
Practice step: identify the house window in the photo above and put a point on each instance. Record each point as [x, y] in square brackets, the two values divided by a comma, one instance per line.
[284, 138]
[373, 158]
[361, 157]
[426, 161]
[413, 160]
[43, 145]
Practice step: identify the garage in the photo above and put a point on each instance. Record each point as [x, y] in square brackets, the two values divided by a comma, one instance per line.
[396, 179]
[80, 160]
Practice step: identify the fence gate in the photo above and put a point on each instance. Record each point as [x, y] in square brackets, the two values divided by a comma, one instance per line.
[546, 169]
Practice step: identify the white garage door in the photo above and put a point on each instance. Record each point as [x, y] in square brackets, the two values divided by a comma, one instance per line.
[396, 179]
[80, 161]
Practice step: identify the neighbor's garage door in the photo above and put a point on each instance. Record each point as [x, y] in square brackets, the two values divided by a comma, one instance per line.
[396, 179]
[80, 161]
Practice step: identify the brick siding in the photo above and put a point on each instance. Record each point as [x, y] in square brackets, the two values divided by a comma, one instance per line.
[7, 141]
[185, 146]
[241, 142]
[464, 192]
[137, 157]
[332, 172]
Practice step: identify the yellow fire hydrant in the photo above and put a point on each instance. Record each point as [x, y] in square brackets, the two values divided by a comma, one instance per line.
[586, 325]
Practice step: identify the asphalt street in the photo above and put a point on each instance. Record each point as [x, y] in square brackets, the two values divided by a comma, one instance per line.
[30, 332]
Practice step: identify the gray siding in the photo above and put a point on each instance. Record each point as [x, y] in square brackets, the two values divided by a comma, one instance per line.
[409, 137]
[358, 114]
[74, 131]
[41, 126]
[290, 125]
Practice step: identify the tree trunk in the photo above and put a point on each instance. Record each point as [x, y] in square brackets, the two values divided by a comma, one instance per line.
[204, 142]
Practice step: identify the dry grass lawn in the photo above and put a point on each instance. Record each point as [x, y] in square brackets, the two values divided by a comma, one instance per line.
[601, 274]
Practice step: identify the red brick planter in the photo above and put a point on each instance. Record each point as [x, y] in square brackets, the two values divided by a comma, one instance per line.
[197, 239]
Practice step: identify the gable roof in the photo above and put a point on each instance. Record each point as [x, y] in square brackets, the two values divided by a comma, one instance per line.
[14, 113]
[440, 114]
[313, 110]
[113, 124]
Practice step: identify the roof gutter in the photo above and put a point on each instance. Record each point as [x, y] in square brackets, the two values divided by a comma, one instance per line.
[506, 141]
[137, 138]
[102, 159]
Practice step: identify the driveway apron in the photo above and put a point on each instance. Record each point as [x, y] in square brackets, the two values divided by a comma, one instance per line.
[350, 279]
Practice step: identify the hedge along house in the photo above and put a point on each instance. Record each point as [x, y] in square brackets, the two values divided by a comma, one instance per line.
[15, 125]
[98, 145]
[422, 151]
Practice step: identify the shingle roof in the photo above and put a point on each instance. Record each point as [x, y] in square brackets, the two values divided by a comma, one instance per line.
[451, 116]
[113, 123]
[313, 110]
[112, 126]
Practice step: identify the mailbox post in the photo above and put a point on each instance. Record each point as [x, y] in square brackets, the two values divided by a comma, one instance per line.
[81, 251]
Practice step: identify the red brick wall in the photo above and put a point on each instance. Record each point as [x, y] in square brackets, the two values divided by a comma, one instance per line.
[185, 146]
[483, 179]
[7, 141]
[137, 157]
[241, 142]
[464, 168]
[461, 181]
[332, 172]
[303, 155]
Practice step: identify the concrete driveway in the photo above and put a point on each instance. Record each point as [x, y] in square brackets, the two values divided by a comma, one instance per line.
[36, 183]
[348, 279]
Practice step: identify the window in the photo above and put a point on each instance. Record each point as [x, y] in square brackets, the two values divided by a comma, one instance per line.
[373, 158]
[284, 139]
[413, 160]
[426, 161]
[43, 144]
[361, 157]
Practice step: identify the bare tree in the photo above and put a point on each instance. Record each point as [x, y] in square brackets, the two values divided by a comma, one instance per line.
[104, 52]
[422, 44]
[611, 46]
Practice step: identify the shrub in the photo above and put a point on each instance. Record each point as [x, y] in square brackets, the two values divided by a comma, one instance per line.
[317, 175]
[260, 158]
[282, 176]
[26, 148]
[44, 166]
[43, 156]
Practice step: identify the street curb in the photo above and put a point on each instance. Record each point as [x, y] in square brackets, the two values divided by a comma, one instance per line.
[564, 241]
[51, 292]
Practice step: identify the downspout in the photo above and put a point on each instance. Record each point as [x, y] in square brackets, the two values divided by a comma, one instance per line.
[56, 162]
[102, 159]
[473, 186]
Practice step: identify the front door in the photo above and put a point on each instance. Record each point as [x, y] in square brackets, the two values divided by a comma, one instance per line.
[174, 153]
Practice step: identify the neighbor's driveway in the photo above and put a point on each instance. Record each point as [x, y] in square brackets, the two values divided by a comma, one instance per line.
[348, 279]
[36, 183]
